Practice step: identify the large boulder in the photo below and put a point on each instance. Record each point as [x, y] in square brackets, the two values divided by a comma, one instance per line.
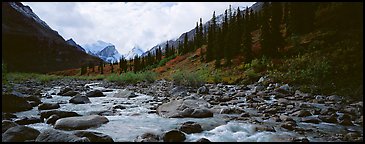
[80, 122]
[52, 135]
[33, 100]
[94, 136]
[124, 94]
[6, 124]
[28, 120]
[19, 134]
[60, 114]
[174, 136]
[47, 106]
[185, 108]
[14, 103]
[95, 93]
[79, 100]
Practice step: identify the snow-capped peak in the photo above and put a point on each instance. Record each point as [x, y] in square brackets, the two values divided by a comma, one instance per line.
[135, 51]
[109, 54]
[96, 47]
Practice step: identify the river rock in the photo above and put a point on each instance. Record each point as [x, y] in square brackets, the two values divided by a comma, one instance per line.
[80, 99]
[19, 134]
[70, 93]
[47, 106]
[7, 116]
[124, 94]
[26, 120]
[174, 136]
[311, 120]
[289, 125]
[13, 103]
[61, 114]
[178, 91]
[191, 127]
[147, 137]
[185, 108]
[203, 140]
[95, 93]
[328, 118]
[93, 136]
[52, 135]
[33, 100]
[203, 90]
[52, 119]
[64, 90]
[334, 98]
[302, 113]
[80, 122]
[6, 124]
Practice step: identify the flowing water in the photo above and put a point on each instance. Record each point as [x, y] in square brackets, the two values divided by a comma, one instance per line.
[137, 119]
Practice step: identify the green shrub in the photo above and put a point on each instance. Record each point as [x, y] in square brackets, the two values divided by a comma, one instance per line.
[185, 78]
[132, 78]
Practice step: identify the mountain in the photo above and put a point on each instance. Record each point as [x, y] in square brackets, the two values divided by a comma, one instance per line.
[132, 53]
[104, 50]
[30, 45]
[219, 20]
[109, 54]
[96, 47]
[73, 43]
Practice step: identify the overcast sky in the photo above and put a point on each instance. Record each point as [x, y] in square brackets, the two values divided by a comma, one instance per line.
[126, 24]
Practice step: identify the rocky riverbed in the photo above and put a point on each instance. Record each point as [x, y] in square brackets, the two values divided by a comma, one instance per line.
[100, 111]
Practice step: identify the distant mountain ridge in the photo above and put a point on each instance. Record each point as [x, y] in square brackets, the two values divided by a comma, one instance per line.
[73, 43]
[104, 50]
[133, 52]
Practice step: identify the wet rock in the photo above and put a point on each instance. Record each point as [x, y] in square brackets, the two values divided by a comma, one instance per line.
[264, 128]
[61, 114]
[302, 113]
[79, 100]
[64, 90]
[240, 94]
[203, 140]
[6, 124]
[19, 134]
[273, 110]
[351, 136]
[283, 101]
[300, 139]
[184, 108]
[285, 89]
[345, 119]
[119, 107]
[124, 94]
[80, 122]
[70, 93]
[95, 93]
[52, 119]
[14, 103]
[147, 137]
[47, 106]
[191, 127]
[289, 125]
[203, 90]
[33, 100]
[52, 135]
[328, 111]
[7, 116]
[311, 120]
[219, 92]
[174, 136]
[94, 136]
[26, 120]
[328, 118]
[178, 91]
[334, 98]
[232, 110]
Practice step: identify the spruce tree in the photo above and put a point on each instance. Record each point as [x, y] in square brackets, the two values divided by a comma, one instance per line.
[265, 37]
[185, 49]
[276, 35]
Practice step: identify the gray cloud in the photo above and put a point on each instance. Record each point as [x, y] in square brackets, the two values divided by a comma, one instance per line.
[126, 24]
